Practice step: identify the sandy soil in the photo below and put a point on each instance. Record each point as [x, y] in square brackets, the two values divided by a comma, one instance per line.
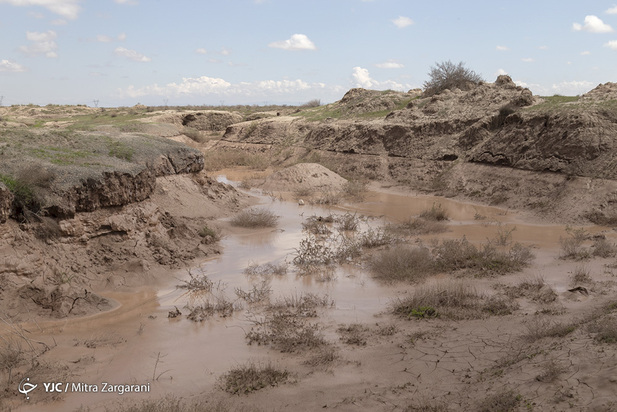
[390, 364]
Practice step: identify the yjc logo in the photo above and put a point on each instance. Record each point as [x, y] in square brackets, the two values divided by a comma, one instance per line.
[26, 387]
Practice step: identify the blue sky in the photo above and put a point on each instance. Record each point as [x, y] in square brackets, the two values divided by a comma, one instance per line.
[176, 52]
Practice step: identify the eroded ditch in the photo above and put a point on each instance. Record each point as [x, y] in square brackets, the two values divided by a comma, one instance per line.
[138, 343]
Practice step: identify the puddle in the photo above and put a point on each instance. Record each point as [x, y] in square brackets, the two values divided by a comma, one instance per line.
[127, 342]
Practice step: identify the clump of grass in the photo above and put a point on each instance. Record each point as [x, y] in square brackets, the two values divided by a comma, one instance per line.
[328, 198]
[453, 300]
[581, 275]
[604, 330]
[318, 225]
[285, 324]
[551, 372]
[436, 213]
[572, 246]
[303, 192]
[324, 356]
[354, 334]
[208, 234]
[197, 283]
[252, 377]
[603, 248]
[402, 263]
[373, 238]
[418, 226]
[266, 270]
[194, 134]
[221, 307]
[534, 288]
[347, 222]
[540, 328]
[506, 400]
[255, 218]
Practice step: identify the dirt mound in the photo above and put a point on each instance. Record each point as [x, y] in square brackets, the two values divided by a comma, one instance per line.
[358, 101]
[603, 92]
[210, 120]
[304, 175]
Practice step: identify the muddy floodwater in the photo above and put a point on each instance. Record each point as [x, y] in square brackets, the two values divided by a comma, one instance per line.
[136, 343]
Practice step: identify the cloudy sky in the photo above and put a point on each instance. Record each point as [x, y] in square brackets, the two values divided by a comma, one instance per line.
[156, 52]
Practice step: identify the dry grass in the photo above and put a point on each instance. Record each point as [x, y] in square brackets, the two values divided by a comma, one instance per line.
[603, 248]
[417, 226]
[221, 159]
[347, 222]
[604, 329]
[452, 300]
[354, 334]
[540, 328]
[436, 213]
[402, 263]
[266, 270]
[551, 371]
[506, 400]
[323, 357]
[252, 377]
[255, 218]
[572, 246]
[581, 276]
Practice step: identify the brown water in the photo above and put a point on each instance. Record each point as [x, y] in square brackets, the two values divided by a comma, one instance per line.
[126, 342]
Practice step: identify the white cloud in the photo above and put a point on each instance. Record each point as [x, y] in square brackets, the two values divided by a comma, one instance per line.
[527, 59]
[593, 24]
[41, 43]
[225, 52]
[390, 64]
[128, 2]
[59, 22]
[611, 44]
[296, 42]
[201, 51]
[585, 53]
[502, 48]
[103, 39]
[499, 72]
[209, 86]
[65, 8]
[543, 47]
[121, 37]
[131, 55]
[402, 21]
[572, 88]
[9, 66]
[612, 10]
[362, 78]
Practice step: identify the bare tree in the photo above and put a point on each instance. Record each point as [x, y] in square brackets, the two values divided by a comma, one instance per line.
[447, 75]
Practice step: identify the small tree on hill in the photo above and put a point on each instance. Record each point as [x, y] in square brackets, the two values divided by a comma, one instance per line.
[447, 75]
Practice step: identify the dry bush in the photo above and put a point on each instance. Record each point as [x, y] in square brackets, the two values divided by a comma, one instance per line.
[436, 213]
[11, 355]
[373, 238]
[221, 307]
[209, 235]
[197, 283]
[447, 75]
[572, 246]
[195, 135]
[402, 263]
[581, 276]
[323, 357]
[252, 377]
[347, 222]
[551, 372]
[534, 288]
[604, 330]
[603, 248]
[303, 192]
[255, 218]
[266, 270]
[257, 294]
[318, 225]
[540, 328]
[452, 299]
[328, 198]
[418, 226]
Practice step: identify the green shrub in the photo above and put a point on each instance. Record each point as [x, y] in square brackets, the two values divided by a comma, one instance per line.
[447, 75]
